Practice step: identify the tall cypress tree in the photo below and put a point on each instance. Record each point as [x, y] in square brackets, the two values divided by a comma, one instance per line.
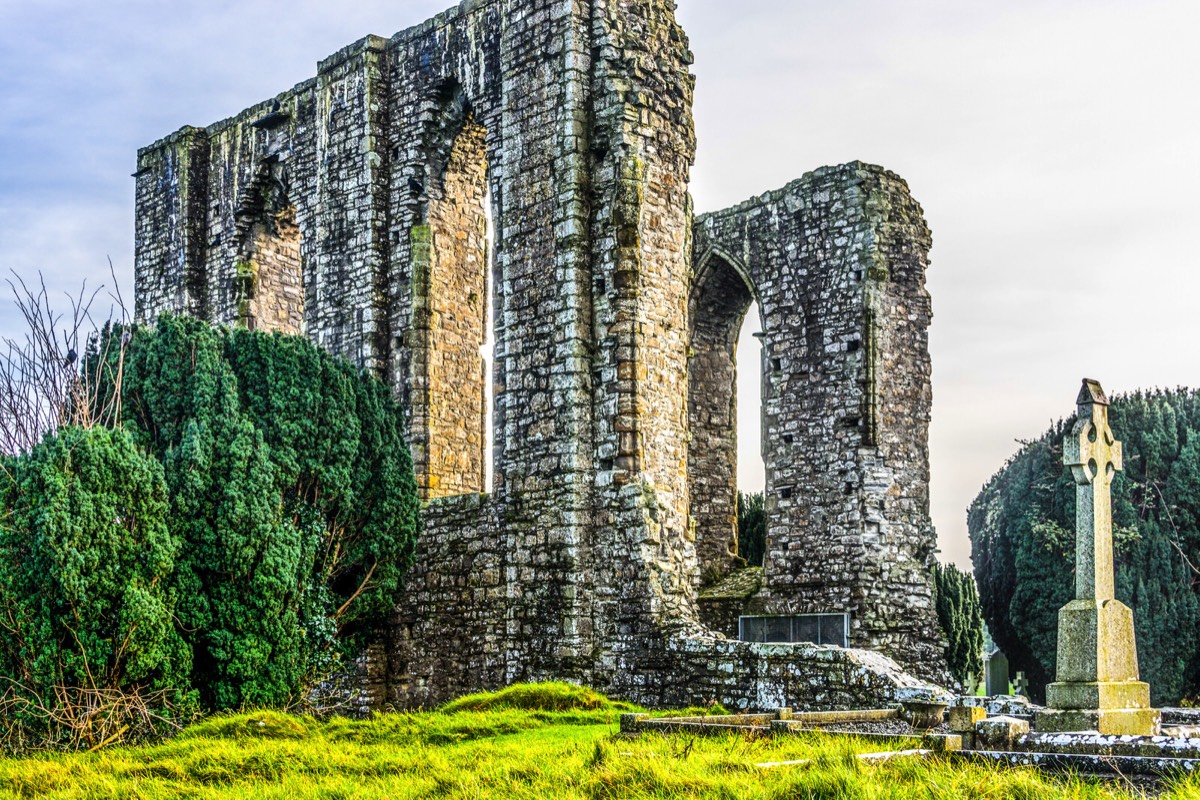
[752, 527]
[961, 619]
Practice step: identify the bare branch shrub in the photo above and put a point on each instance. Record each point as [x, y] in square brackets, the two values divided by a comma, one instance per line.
[44, 384]
[77, 718]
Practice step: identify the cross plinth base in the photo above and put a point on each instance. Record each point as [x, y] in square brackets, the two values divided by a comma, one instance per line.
[1118, 695]
[1111, 722]
[1098, 687]
[1096, 643]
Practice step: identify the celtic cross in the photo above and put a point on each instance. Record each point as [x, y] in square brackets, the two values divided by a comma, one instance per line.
[1094, 456]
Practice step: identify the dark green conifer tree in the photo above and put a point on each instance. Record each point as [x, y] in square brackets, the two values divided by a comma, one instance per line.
[292, 494]
[751, 527]
[961, 619]
[1022, 528]
[86, 558]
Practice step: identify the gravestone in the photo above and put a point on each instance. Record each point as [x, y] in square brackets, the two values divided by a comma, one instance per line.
[996, 674]
[1098, 687]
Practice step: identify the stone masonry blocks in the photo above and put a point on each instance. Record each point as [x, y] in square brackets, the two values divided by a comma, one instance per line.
[358, 198]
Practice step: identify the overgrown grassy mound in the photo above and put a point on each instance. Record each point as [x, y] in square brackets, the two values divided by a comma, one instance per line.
[538, 697]
[563, 702]
[274, 725]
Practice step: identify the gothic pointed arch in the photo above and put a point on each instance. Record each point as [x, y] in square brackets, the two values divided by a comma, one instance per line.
[450, 281]
[721, 294]
[268, 276]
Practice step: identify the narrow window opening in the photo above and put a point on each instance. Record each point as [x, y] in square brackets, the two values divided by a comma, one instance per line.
[451, 266]
[488, 350]
[751, 469]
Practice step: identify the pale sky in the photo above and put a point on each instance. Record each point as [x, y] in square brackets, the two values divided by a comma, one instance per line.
[1052, 143]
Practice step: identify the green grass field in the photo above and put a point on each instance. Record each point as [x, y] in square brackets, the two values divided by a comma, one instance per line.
[508, 746]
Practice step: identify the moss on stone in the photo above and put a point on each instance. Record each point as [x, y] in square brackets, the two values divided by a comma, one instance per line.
[739, 585]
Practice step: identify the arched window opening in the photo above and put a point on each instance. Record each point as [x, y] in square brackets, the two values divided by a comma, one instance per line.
[718, 309]
[268, 276]
[453, 263]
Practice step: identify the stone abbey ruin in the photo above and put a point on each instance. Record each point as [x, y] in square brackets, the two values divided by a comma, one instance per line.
[351, 209]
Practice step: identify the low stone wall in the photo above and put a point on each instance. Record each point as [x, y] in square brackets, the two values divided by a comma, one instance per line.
[748, 676]
[1097, 744]
[449, 634]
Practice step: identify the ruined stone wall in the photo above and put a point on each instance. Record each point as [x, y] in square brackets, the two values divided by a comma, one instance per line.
[574, 117]
[644, 565]
[460, 596]
[319, 145]
[170, 228]
[837, 263]
[451, 637]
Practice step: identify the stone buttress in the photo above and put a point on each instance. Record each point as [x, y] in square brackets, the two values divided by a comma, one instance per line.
[354, 209]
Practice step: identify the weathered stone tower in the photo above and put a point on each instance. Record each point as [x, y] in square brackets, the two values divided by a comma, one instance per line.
[352, 209]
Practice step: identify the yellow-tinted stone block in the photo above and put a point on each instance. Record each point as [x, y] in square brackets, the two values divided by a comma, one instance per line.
[1098, 695]
[963, 718]
[1111, 722]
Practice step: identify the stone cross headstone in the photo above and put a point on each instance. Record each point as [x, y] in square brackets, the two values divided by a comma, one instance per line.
[1097, 686]
[1094, 456]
